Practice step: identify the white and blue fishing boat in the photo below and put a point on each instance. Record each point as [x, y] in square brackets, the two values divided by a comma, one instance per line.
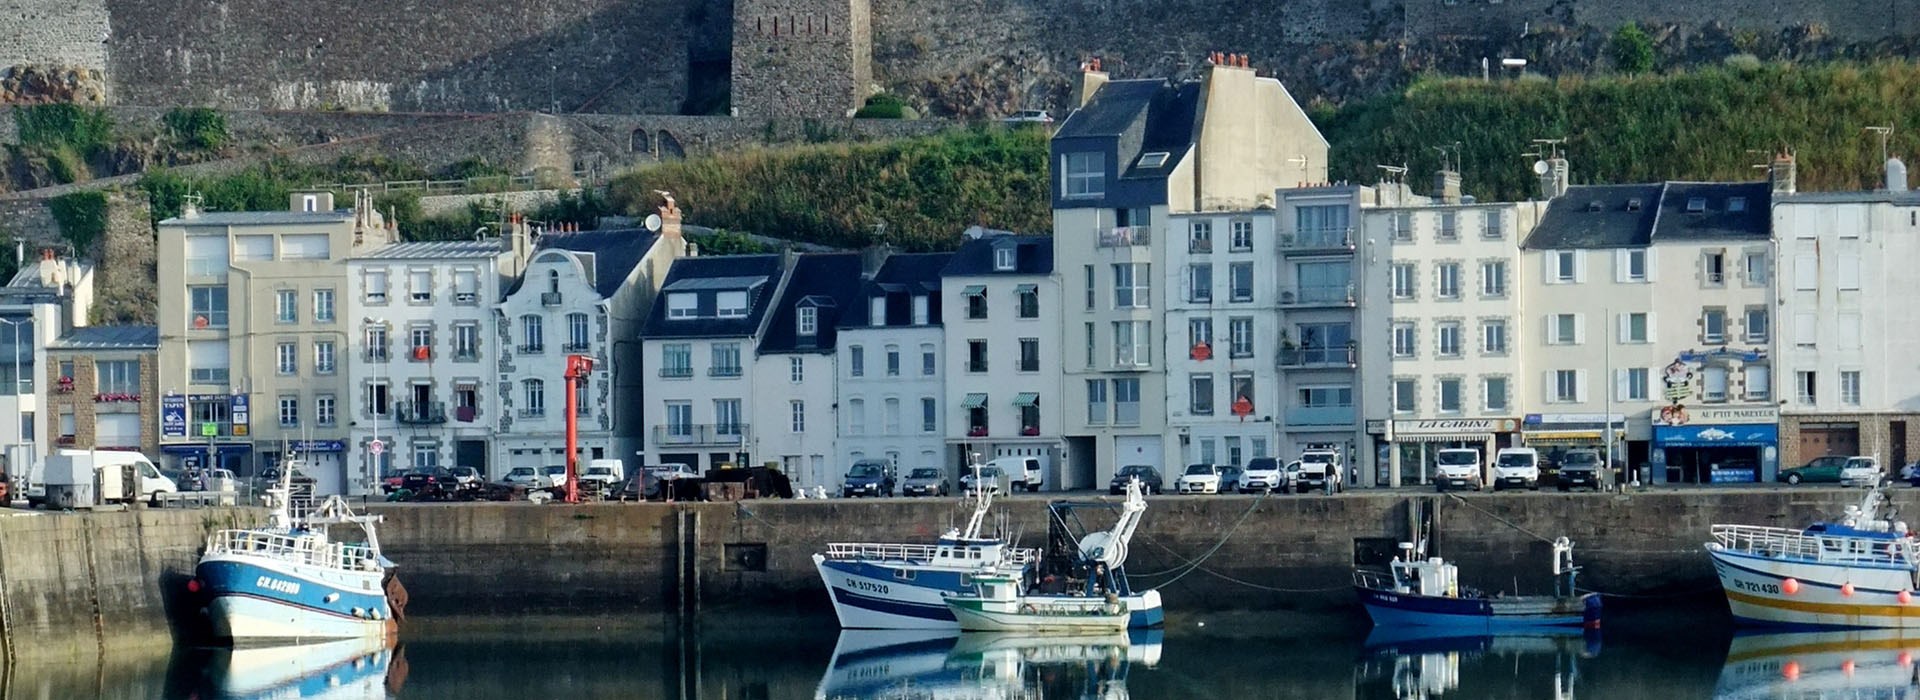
[997, 603]
[344, 669]
[1421, 591]
[1860, 571]
[290, 581]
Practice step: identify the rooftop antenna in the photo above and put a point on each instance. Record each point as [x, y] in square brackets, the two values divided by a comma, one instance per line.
[1449, 163]
[1393, 173]
[1302, 160]
[1550, 148]
[1885, 133]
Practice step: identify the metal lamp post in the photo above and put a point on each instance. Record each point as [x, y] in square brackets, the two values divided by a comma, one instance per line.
[26, 436]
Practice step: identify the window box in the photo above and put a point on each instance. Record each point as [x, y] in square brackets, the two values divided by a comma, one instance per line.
[977, 431]
[1030, 430]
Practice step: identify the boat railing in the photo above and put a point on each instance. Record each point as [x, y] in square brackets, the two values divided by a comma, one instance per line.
[348, 556]
[1785, 543]
[1374, 580]
[877, 551]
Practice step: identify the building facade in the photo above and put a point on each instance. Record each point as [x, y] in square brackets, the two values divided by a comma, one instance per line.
[45, 298]
[895, 330]
[103, 388]
[795, 367]
[1002, 356]
[701, 337]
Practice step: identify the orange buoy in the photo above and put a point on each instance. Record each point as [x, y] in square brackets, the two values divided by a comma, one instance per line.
[1792, 670]
[1791, 586]
[1846, 589]
[1905, 597]
[1906, 658]
[1846, 667]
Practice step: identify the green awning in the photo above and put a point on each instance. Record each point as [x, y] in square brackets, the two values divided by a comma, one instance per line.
[1026, 399]
[974, 290]
[974, 401]
[1027, 289]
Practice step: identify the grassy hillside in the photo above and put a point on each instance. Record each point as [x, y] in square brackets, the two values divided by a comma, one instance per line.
[1699, 125]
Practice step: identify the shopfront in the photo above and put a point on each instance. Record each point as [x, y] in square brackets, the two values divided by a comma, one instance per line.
[1554, 434]
[1717, 445]
[1414, 443]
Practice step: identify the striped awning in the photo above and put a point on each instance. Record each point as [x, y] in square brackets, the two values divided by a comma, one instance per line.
[1026, 399]
[1566, 437]
[1026, 288]
[1445, 437]
[974, 401]
[974, 290]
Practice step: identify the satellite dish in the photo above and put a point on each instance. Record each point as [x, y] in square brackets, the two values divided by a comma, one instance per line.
[653, 220]
[1540, 167]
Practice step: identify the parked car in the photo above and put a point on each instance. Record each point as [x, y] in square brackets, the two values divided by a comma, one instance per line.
[1820, 470]
[990, 478]
[439, 484]
[1029, 116]
[1579, 468]
[1264, 474]
[868, 477]
[653, 482]
[1516, 467]
[1149, 479]
[1456, 468]
[391, 482]
[529, 477]
[1861, 471]
[924, 481]
[604, 473]
[1317, 469]
[1199, 478]
[1025, 472]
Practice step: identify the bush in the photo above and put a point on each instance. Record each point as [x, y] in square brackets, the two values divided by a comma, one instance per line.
[196, 128]
[54, 126]
[82, 217]
[882, 106]
[1632, 49]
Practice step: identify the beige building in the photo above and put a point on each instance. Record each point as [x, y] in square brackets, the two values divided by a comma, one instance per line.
[249, 316]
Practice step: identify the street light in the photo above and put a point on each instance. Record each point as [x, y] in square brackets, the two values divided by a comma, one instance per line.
[25, 435]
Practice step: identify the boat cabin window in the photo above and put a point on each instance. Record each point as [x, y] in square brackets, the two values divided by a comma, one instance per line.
[989, 591]
[903, 574]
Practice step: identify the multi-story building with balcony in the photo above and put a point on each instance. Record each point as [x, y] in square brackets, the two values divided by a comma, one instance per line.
[1222, 396]
[252, 338]
[424, 361]
[1002, 356]
[44, 301]
[794, 367]
[103, 388]
[701, 336]
[1134, 154]
[896, 384]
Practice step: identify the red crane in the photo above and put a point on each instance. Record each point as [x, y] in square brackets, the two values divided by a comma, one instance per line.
[578, 367]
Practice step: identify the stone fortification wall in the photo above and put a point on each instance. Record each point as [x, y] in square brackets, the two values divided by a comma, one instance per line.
[1850, 19]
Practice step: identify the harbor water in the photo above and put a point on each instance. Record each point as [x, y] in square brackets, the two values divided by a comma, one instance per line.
[745, 656]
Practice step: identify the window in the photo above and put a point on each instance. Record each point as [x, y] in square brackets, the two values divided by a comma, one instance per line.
[1126, 401]
[1003, 258]
[252, 248]
[1240, 337]
[1200, 283]
[1028, 298]
[1403, 280]
[893, 360]
[1326, 396]
[1447, 280]
[116, 376]
[1083, 174]
[420, 338]
[289, 412]
[1029, 354]
[1803, 382]
[1449, 226]
[683, 305]
[1736, 204]
[376, 343]
[1240, 276]
[1632, 384]
[1241, 387]
[1493, 278]
[929, 414]
[533, 334]
[1321, 226]
[1696, 205]
[730, 304]
[921, 313]
[1493, 391]
[1756, 324]
[376, 283]
[680, 418]
[207, 306]
[1091, 340]
[1636, 265]
[1714, 269]
[1403, 395]
[1563, 329]
[286, 359]
[976, 355]
[856, 417]
[1200, 236]
[1713, 325]
[976, 298]
[1850, 387]
[1096, 402]
[1756, 268]
[1493, 336]
[466, 286]
[1200, 394]
[419, 286]
[286, 306]
[1634, 328]
[1566, 386]
[1713, 384]
[1494, 229]
[1091, 288]
[676, 360]
[1403, 340]
[1242, 233]
[466, 341]
[305, 246]
[929, 360]
[1806, 273]
[809, 320]
[1565, 266]
[536, 401]
[577, 333]
[726, 360]
[1759, 382]
[377, 400]
[797, 416]
[324, 408]
[1847, 274]
[323, 357]
[1199, 330]
[323, 305]
[1447, 334]
[1402, 228]
[856, 361]
[1450, 395]
[207, 361]
[726, 417]
[796, 370]
[1132, 285]
[892, 416]
[426, 455]
[1132, 344]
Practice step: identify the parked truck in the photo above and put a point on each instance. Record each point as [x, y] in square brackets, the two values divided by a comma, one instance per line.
[1318, 468]
[87, 478]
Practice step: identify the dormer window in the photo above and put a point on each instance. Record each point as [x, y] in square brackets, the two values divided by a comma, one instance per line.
[1154, 160]
[1736, 204]
[877, 311]
[730, 304]
[1003, 258]
[809, 320]
[683, 305]
[1083, 174]
[1696, 205]
[1633, 204]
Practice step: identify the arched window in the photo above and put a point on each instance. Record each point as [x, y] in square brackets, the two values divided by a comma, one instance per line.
[553, 281]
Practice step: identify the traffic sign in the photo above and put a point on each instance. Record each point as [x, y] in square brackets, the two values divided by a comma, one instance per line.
[209, 429]
[376, 447]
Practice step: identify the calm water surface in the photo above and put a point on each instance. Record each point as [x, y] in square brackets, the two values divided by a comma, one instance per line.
[743, 657]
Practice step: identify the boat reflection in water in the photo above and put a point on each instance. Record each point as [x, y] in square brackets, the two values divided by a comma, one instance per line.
[348, 668]
[984, 665]
[1837, 664]
[1430, 662]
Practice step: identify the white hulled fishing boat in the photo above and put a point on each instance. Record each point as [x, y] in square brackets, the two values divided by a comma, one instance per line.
[1859, 571]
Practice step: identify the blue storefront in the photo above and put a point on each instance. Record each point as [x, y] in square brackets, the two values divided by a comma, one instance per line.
[1706, 450]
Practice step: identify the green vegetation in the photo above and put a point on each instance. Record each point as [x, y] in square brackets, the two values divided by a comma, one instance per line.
[1700, 125]
[724, 242]
[196, 128]
[925, 191]
[1632, 50]
[63, 137]
[884, 106]
[82, 217]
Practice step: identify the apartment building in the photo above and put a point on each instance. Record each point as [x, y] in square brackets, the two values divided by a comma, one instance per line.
[103, 388]
[1222, 396]
[700, 337]
[895, 331]
[249, 322]
[44, 301]
[794, 367]
[1002, 356]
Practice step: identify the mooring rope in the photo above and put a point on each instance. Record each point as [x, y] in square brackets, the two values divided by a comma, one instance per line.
[1457, 499]
[1195, 564]
[1185, 563]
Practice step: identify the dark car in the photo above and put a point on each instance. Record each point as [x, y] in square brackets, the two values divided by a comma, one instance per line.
[440, 484]
[1148, 476]
[391, 482]
[924, 481]
[868, 477]
[1579, 468]
[1821, 469]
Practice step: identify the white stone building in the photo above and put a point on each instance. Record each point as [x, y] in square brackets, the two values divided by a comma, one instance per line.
[897, 385]
[794, 392]
[701, 337]
[1222, 319]
[1002, 356]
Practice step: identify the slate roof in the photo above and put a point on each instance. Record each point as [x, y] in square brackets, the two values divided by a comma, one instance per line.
[1112, 110]
[829, 281]
[1168, 111]
[615, 253]
[1715, 221]
[914, 274]
[975, 257]
[434, 250]
[765, 267]
[109, 338]
[1170, 120]
[1597, 216]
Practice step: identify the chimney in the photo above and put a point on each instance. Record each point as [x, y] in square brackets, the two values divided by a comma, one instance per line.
[1446, 187]
[1781, 173]
[1896, 175]
[1088, 81]
[872, 257]
[1553, 182]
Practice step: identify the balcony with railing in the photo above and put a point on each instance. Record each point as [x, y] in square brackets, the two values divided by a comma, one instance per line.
[1199, 245]
[1303, 296]
[1125, 237]
[420, 412]
[682, 372]
[1320, 415]
[550, 299]
[1317, 240]
[699, 434]
[733, 371]
[1309, 357]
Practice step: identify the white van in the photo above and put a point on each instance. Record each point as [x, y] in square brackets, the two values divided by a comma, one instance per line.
[609, 472]
[90, 477]
[1516, 468]
[1456, 467]
[1025, 472]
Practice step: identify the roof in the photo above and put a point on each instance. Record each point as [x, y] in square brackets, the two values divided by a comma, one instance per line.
[1170, 121]
[258, 218]
[435, 250]
[975, 257]
[713, 283]
[1168, 111]
[1112, 110]
[1701, 211]
[763, 267]
[109, 338]
[615, 253]
[830, 281]
[1597, 216]
[1900, 197]
[902, 273]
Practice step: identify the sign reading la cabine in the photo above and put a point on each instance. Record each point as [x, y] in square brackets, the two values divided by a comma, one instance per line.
[1454, 425]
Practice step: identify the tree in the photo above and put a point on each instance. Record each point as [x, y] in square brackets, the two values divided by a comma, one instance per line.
[1632, 49]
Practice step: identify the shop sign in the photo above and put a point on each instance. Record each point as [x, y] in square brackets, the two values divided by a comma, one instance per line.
[1377, 427]
[1757, 435]
[1454, 426]
[1594, 419]
[1728, 415]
